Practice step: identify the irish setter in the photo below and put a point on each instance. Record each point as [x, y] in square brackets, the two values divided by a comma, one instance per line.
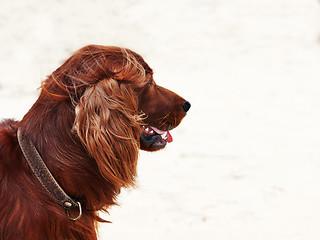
[92, 116]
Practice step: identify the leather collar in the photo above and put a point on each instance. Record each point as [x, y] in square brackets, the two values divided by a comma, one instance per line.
[44, 176]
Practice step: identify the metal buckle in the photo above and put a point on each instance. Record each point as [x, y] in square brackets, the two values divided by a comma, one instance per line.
[78, 217]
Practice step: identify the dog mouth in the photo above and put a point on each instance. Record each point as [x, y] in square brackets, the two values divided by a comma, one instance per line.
[154, 138]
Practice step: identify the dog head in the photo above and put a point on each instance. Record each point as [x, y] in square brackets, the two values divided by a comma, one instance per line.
[118, 107]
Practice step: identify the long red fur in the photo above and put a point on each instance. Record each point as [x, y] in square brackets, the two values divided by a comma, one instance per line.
[86, 125]
[88, 168]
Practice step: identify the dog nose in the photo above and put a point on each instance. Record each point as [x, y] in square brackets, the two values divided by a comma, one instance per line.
[186, 106]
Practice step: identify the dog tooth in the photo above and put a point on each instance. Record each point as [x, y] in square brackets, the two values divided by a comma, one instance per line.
[151, 131]
[164, 136]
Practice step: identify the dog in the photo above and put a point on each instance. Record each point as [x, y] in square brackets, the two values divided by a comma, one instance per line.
[73, 151]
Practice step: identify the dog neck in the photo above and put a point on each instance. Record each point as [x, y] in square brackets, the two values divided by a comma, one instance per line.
[44, 176]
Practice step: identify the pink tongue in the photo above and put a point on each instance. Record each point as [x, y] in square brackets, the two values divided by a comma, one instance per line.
[169, 137]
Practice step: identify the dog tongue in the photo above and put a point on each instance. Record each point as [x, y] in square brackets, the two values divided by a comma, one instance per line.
[160, 132]
[169, 137]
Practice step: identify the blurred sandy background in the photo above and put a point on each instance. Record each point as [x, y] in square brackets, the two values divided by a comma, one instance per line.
[245, 162]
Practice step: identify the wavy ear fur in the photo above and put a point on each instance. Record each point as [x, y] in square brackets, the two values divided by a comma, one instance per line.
[108, 125]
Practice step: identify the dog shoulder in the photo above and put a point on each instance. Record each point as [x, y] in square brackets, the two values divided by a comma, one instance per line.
[8, 139]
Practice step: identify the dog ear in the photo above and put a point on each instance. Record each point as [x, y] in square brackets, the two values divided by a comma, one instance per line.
[108, 125]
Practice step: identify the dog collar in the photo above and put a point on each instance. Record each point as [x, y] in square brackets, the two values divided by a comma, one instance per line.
[44, 176]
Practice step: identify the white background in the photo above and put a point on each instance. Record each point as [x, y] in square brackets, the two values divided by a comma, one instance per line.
[245, 162]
